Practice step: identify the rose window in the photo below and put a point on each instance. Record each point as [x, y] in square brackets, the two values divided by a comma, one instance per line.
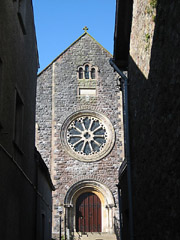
[87, 135]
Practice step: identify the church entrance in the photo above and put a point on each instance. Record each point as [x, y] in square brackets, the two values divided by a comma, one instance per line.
[88, 213]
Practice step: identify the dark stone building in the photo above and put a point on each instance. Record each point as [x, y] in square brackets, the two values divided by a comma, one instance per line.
[25, 184]
[148, 45]
[80, 136]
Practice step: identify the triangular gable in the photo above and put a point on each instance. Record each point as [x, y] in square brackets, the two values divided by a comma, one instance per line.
[85, 33]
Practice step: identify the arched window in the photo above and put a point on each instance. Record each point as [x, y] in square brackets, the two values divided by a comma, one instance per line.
[86, 72]
[80, 73]
[93, 76]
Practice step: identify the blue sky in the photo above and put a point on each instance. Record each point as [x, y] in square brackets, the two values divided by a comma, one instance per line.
[60, 22]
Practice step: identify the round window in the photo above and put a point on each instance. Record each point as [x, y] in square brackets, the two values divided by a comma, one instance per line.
[87, 135]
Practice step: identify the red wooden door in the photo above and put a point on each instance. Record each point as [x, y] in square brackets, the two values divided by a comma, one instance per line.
[88, 213]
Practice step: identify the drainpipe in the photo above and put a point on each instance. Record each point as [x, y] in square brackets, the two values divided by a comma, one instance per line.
[124, 82]
[120, 217]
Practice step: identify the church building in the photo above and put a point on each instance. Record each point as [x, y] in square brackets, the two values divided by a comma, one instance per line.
[79, 133]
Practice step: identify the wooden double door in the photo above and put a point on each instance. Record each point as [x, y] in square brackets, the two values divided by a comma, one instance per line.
[88, 213]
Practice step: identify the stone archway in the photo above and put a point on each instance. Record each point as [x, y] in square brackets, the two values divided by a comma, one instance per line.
[106, 199]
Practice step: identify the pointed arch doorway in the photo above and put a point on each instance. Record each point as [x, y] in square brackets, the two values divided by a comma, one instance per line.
[88, 213]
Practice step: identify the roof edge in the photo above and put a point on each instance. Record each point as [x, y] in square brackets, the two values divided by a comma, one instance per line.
[70, 47]
[100, 44]
[61, 53]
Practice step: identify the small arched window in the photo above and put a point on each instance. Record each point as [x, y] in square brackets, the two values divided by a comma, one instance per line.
[86, 72]
[80, 73]
[93, 76]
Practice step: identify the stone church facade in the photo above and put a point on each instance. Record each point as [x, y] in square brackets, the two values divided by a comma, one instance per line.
[79, 134]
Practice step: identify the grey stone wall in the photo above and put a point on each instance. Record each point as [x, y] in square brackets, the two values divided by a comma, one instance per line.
[44, 115]
[57, 99]
[154, 120]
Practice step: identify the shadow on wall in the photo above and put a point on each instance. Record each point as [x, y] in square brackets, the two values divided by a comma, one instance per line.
[154, 113]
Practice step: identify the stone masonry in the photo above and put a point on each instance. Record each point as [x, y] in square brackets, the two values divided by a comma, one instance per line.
[57, 98]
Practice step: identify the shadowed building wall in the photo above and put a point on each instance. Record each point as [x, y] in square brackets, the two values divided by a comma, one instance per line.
[23, 182]
[154, 110]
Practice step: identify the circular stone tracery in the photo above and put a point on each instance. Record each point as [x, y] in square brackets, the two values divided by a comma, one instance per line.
[87, 136]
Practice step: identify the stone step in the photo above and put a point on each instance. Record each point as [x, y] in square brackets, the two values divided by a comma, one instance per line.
[95, 236]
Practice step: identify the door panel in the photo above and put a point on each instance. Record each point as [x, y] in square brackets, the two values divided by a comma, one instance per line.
[88, 213]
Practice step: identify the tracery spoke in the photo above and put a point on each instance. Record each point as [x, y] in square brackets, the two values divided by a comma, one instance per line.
[98, 128]
[75, 135]
[97, 143]
[75, 144]
[83, 146]
[101, 136]
[90, 147]
[90, 125]
[77, 129]
[82, 123]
